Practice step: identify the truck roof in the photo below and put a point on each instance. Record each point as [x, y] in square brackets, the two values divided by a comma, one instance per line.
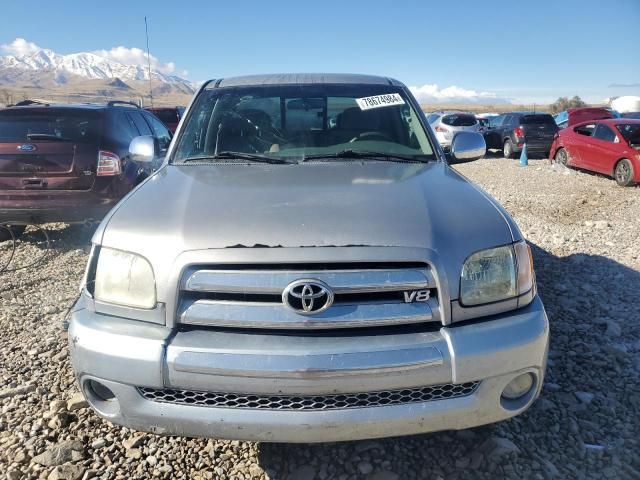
[303, 79]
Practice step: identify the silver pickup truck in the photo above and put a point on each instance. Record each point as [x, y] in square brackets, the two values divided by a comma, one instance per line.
[306, 267]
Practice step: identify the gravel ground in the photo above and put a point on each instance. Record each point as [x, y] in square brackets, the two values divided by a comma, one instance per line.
[584, 230]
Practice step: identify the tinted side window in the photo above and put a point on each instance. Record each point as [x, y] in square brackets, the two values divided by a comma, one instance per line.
[121, 128]
[159, 131]
[604, 133]
[586, 130]
[496, 121]
[141, 125]
[433, 117]
[508, 119]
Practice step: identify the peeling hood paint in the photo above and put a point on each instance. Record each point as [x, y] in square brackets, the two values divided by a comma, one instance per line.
[377, 204]
[321, 204]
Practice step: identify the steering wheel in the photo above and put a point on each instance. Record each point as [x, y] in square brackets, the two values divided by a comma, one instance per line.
[371, 136]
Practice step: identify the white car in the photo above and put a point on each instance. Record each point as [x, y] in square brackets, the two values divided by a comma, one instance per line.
[447, 124]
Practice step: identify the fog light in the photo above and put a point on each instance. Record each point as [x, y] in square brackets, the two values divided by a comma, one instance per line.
[100, 391]
[518, 387]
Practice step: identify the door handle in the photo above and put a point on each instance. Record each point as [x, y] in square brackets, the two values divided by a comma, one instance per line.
[34, 184]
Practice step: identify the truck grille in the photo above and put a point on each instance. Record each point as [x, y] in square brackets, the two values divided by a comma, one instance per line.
[363, 295]
[313, 402]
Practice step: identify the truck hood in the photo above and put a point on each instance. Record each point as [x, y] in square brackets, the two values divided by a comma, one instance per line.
[375, 204]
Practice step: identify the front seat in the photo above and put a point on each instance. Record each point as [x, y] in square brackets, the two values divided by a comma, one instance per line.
[353, 122]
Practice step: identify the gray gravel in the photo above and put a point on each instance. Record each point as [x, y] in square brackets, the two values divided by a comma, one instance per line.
[584, 230]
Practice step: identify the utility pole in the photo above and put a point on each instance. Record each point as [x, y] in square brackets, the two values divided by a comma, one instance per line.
[146, 31]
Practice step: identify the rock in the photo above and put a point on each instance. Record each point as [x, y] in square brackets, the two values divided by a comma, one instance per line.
[57, 405]
[21, 457]
[584, 397]
[63, 452]
[151, 460]
[133, 442]
[99, 443]
[135, 453]
[21, 390]
[383, 475]
[496, 447]
[365, 468]
[255, 470]
[476, 460]
[304, 472]
[77, 402]
[463, 462]
[600, 224]
[14, 475]
[550, 468]
[368, 445]
[617, 351]
[68, 471]
[613, 329]
[61, 420]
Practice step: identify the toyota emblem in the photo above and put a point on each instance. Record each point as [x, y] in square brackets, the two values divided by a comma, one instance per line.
[307, 297]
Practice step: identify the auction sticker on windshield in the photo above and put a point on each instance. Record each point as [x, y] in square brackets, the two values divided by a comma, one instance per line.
[377, 101]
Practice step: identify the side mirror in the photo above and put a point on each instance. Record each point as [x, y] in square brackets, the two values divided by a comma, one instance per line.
[142, 149]
[467, 147]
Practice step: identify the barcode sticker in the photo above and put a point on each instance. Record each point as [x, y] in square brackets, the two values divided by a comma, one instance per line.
[378, 101]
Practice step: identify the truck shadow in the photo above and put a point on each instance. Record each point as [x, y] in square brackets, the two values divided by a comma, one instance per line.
[595, 324]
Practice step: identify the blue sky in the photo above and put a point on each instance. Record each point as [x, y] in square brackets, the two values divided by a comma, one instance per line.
[530, 51]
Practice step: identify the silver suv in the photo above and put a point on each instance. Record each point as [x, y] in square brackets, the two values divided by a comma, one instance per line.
[447, 125]
[304, 267]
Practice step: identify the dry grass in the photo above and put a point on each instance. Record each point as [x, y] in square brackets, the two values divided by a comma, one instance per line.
[476, 108]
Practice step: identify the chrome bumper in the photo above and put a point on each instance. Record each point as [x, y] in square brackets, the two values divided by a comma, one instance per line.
[124, 355]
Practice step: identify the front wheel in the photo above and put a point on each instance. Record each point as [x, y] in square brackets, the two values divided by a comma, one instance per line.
[561, 157]
[507, 149]
[623, 173]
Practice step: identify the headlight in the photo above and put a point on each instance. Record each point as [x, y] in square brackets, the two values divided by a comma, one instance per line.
[496, 274]
[125, 279]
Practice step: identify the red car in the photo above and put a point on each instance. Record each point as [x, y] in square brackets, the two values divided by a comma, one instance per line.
[610, 146]
[169, 116]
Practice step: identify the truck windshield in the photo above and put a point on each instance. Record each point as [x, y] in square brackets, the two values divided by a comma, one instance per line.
[295, 122]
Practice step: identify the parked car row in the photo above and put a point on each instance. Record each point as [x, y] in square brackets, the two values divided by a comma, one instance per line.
[71, 162]
[507, 131]
[591, 138]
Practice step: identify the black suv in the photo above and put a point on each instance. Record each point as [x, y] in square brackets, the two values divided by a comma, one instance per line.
[70, 163]
[510, 131]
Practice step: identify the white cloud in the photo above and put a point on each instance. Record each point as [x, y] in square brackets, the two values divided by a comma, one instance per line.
[19, 47]
[136, 56]
[431, 93]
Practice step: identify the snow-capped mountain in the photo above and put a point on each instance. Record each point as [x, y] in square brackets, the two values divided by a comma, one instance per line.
[85, 64]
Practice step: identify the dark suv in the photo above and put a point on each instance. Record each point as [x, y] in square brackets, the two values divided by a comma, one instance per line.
[70, 163]
[510, 131]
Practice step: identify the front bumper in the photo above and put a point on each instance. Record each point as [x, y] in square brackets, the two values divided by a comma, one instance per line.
[124, 355]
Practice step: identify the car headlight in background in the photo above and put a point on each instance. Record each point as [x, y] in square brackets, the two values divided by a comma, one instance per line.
[496, 274]
[125, 279]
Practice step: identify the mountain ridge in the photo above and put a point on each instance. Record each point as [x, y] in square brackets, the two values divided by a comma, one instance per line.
[61, 69]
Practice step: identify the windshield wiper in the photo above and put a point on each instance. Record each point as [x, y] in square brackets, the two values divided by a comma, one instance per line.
[47, 136]
[358, 154]
[252, 157]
